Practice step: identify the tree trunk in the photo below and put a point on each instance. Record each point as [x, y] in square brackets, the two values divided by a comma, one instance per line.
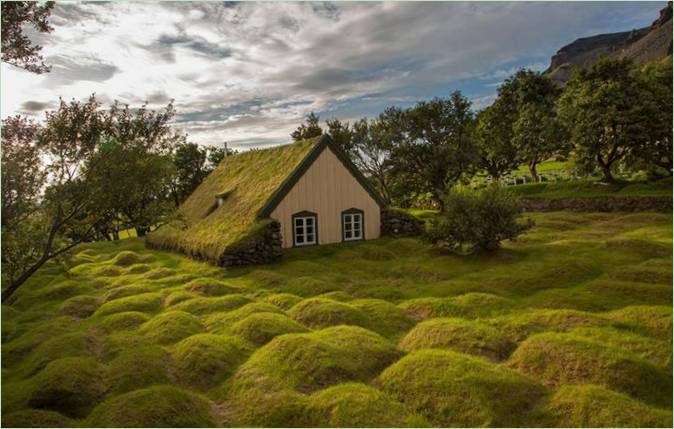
[534, 173]
[141, 231]
[606, 171]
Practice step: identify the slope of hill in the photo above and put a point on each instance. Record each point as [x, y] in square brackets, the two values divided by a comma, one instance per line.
[641, 45]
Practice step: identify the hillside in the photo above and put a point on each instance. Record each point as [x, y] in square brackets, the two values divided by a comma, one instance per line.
[641, 45]
[570, 326]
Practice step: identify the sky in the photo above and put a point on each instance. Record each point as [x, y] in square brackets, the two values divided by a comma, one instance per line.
[248, 72]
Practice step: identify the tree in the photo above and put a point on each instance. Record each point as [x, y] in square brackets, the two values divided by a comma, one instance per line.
[309, 130]
[217, 154]
[477, 221]
[604, 110]
[17, 49]
[66, 180]
[341, 133]
[494, 138]
[436, 146]
[190, 163]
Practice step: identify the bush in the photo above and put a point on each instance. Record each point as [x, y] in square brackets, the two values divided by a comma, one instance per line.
[156, 406]
[477, 221]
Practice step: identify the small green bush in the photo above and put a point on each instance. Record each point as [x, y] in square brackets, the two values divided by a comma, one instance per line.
[260, 328]
[171, 326]
[156, 406]
[205, 360]
[458, 334]
[477, 221]
[71, 386]
[453, 389]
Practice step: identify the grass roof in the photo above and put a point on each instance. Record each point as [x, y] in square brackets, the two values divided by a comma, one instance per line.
[246, 181]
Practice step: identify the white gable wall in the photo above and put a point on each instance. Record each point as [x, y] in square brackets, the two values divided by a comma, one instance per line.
[327, 188]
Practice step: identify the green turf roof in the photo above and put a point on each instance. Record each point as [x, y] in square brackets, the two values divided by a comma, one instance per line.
[247, 181]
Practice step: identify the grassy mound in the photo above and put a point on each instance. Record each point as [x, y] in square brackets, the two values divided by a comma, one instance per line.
[338, 295]
[453, 389]
[385, 318]
[519, 326]
[470, 305]
[59, 346]
[263, 405]
[157, 406]
[177, 296]
[205, 360]
[138, 367]
[71, 386]
[557, 359]
[308, 362]
[592, 406]
[127, 257]
[358, 405]
[36, 419]
[651, 320]
[221, 323]
[260, 328]
[283, 301]
[462, 335]
[211, 287]
[81, 306]
[202, 306]
[128, 290]
[320, 313]
[145, 302]
[171, 326]
[123, 321]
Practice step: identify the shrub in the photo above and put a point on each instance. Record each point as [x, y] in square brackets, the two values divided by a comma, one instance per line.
[205, 360]
[156, 406]
[593, 406]
[477, 221]
[36, 419]
[260, 328]
[171, 326]
[358, 405]
[458, 334]
[321, 313]
[71, 386]
[138, 367]
[557, 359]
[453, 389]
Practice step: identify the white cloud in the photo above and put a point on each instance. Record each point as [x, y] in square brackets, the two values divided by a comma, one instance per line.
[248, 73]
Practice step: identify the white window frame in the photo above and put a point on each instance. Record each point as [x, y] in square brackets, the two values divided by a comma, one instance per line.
[304, 233]
[351, 219]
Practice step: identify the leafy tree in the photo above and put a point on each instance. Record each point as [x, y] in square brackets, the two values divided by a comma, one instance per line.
[604, 110]
[477, 221]
[657, 149]
[66, 179]
[308, 130]
[190, 163]
[494, 138]
[217, 154]
[341, 133]
[17, 49]
[436, 146]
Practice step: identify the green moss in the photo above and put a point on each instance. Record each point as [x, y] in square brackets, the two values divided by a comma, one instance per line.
[385, 318]
[458, 334]
[15, 395]
[557, 359]
[453, 389]
[171, 326]
[211, 287]
[359, 405]
[470, 305]
[592, 406]
[71, 386]
[308, 362]
[123, 321]
[157, 406]
[260, 328]
[320, 313]
[138, 367]
[203, 361]
[283, 300]
[81, 306]
[36, 419]
[145, 302]
[202, 306]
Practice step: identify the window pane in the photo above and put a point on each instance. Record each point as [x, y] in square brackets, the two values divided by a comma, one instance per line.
[347, 234]
[298, 221]
[310, 238]
[310, 229]
[299, 230]
[309, 221]
[299, 239]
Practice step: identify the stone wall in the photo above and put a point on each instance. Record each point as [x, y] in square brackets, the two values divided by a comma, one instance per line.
[598, 204]
[397, 223]
[264, 248]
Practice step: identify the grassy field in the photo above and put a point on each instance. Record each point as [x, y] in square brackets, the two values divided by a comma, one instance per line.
[591, 188]
[569, 326]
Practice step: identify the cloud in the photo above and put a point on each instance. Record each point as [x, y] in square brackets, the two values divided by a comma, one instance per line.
[249, 72]
[30, 107]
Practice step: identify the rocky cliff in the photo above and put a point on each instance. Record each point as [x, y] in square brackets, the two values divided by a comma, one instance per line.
[641, 45]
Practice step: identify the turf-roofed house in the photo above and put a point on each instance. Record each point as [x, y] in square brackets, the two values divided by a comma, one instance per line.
[258, 202]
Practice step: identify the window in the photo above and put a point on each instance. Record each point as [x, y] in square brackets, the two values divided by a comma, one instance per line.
[352, 225]
[304, 229]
